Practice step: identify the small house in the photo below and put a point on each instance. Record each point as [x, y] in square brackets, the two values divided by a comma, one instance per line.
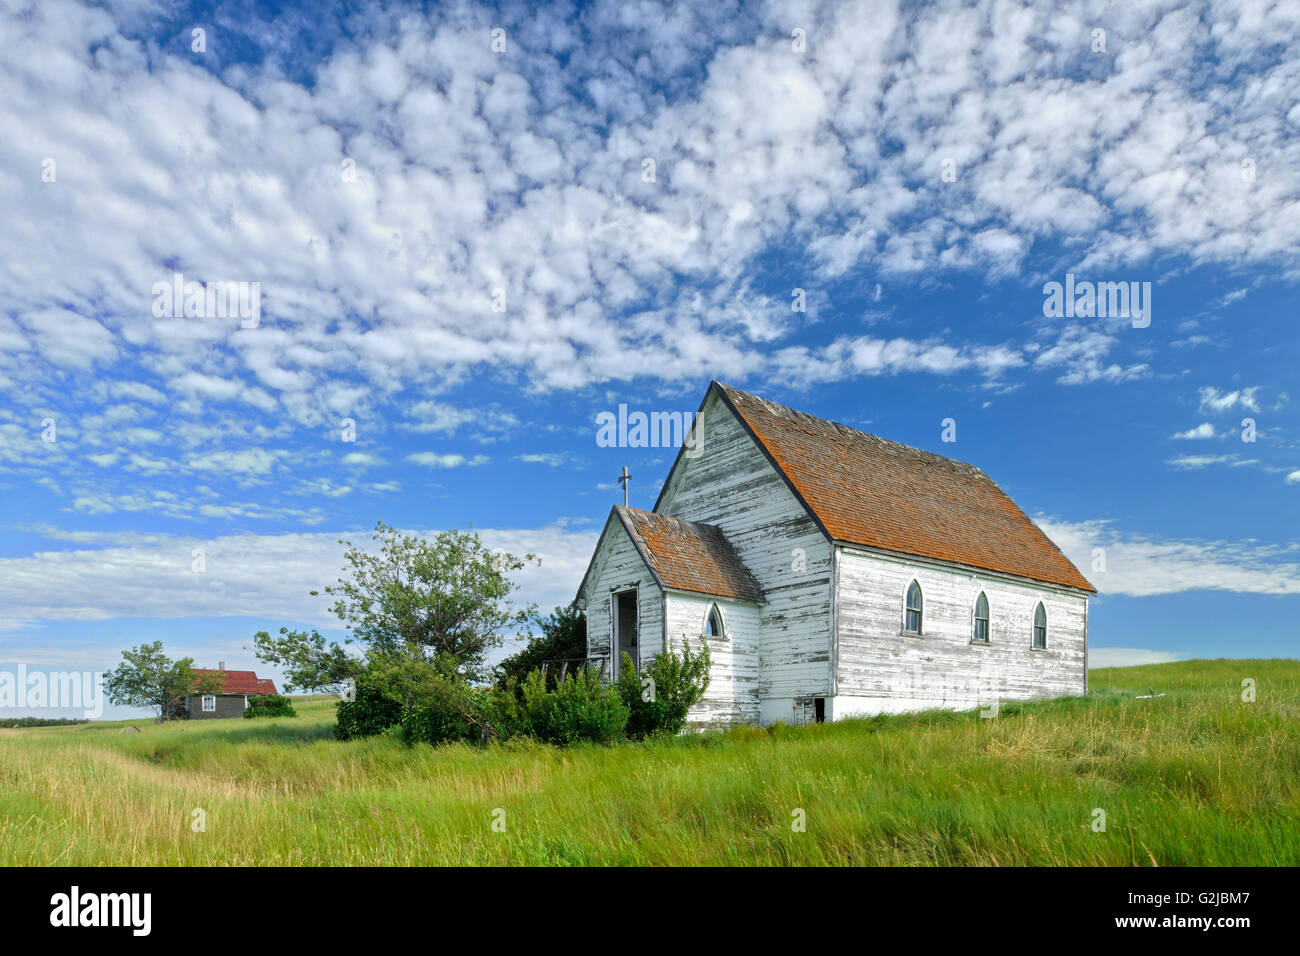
[232, 701]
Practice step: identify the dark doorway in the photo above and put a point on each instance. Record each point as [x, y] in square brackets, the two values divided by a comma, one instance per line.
[625, 626]
[819, 710]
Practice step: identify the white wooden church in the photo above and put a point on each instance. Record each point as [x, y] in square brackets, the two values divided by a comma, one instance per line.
[833, 574]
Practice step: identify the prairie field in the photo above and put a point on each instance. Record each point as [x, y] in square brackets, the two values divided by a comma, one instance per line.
[1194, 777]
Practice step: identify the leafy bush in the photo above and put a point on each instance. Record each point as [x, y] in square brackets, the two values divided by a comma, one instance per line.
[269, 705]
[432, 702]
[369, 714]
[581, 707]
[676, 683]
[391, 685]
[505, 714]
[452, 710]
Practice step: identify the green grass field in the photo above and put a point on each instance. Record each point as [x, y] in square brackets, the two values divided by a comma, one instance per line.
[1196, 777]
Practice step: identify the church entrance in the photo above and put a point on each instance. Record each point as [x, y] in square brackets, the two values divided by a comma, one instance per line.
[625, 627]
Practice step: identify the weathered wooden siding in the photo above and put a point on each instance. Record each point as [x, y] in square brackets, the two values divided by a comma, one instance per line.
[228, 705]
[618, 567]
[732, 695]
[731, 484]
[881, 670]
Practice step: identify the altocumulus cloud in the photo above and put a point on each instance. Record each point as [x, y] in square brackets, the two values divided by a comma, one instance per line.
[471, 172]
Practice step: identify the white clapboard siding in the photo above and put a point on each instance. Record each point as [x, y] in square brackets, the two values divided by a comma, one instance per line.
[731, 484]
[617, 566]
[880, 670]
[732, 694]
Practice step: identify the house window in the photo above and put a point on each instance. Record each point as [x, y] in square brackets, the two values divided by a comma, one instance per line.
[981, 619]
[209, 703]
[713, 623]
[912, 619]
[1040, 626]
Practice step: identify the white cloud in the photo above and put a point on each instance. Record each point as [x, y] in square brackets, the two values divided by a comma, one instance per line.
[441, 417]
[138, 391]
[434, 460]
[1213, 400]
[869, 355]
[249, 461]
[361, 459]
[67, 339]
[260, 576]
[1141, 565]
[1083, 353]
[1203, 430]
[476, 172]
[1197, 462]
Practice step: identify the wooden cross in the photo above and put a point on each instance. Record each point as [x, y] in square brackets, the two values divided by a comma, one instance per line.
[623, 480]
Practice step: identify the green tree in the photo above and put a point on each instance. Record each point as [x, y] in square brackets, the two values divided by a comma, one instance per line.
[149, 678]
[307, 662]
[448, 596]
[563, 637]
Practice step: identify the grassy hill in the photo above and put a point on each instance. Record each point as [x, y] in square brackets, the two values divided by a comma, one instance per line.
[1196, 777]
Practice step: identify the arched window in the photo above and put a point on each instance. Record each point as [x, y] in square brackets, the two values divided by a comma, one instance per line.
[912, 619]
[981, 619]
[1040, 626]
[713, 623]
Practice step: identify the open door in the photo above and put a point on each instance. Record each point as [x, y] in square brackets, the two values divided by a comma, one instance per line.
[625, 627]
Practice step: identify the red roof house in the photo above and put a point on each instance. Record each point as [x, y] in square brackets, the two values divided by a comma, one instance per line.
[232, 700]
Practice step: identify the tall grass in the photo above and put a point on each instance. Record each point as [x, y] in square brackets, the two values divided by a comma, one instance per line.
[1196, 777]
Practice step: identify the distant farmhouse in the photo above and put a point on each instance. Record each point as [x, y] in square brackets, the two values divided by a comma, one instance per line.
[833, 574]
[236, 688]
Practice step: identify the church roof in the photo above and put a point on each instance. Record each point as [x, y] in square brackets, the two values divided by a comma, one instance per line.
[877, 493]
[689, 556]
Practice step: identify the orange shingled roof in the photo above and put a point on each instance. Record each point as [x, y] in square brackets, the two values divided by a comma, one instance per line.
[240, 682]
[868, 491]
[689, 556]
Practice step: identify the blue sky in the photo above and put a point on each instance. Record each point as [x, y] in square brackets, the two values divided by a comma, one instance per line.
[381, 172]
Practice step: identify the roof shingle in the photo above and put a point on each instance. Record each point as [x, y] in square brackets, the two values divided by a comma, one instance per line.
[877, 493]
[689, 556]
[241, 682]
